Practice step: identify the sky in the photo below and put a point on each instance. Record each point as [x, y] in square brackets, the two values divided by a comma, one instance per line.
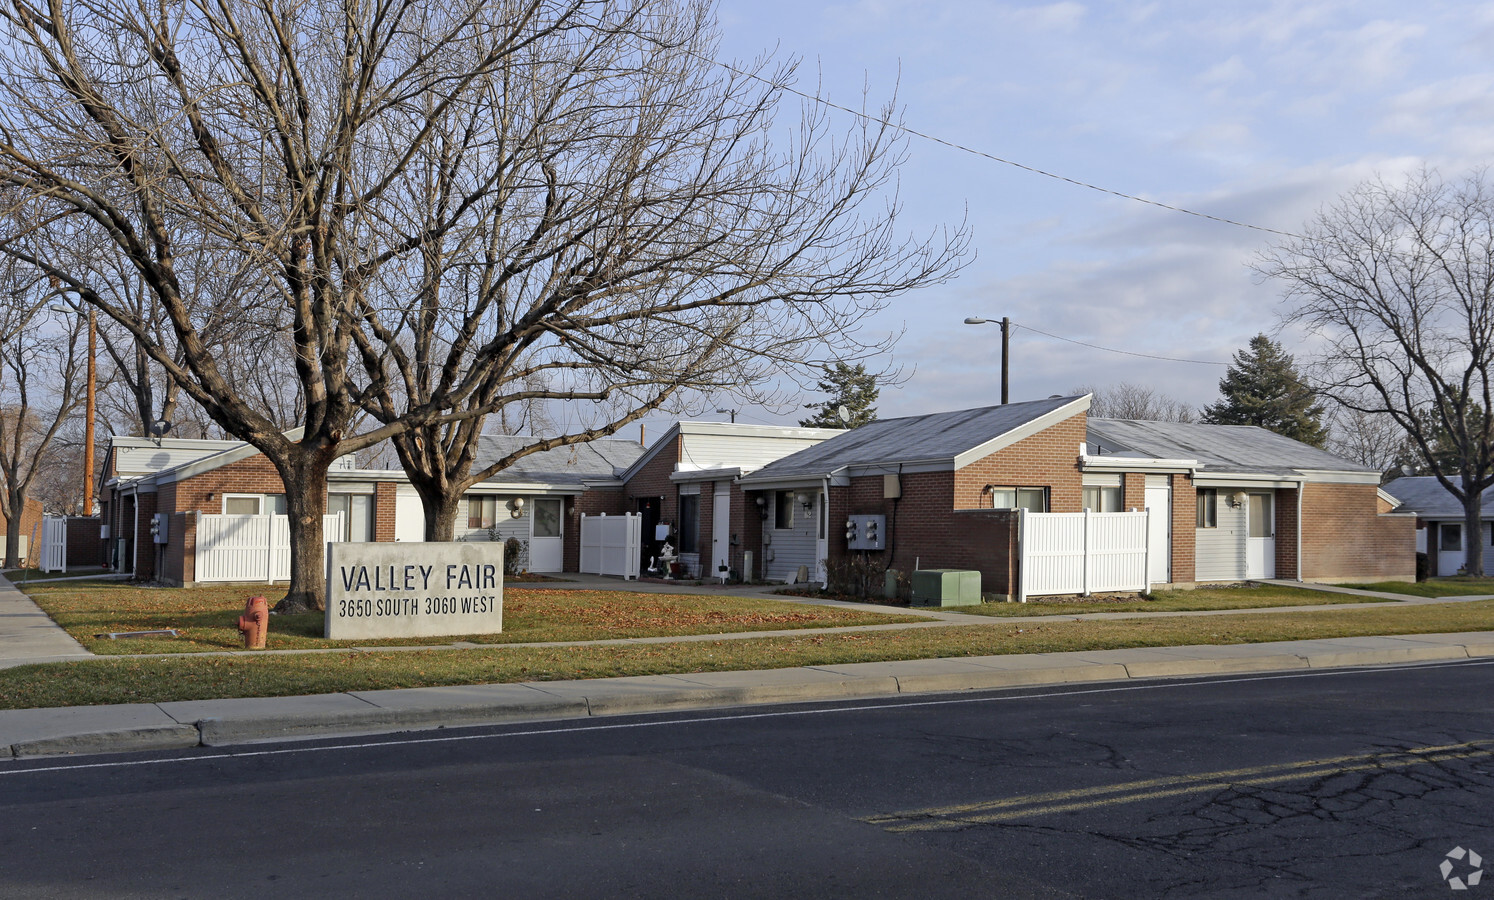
[1261, 112]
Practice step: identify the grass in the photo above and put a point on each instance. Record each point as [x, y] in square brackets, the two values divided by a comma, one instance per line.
[207, 617]
[1456, 586]
[1252, 596]
[26, 576]
[195, 677]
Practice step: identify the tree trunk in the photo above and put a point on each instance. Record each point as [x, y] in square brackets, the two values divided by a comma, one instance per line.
[1473, 535]
[14, 508]
[441, 509]
[305, 480]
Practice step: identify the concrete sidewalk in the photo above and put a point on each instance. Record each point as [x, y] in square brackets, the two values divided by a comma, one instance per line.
[28, 635]
[212, 723]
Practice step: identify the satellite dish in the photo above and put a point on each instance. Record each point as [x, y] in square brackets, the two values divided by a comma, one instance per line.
[845, 414]
[159, 427]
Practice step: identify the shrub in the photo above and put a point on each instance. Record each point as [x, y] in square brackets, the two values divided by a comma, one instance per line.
[1423, 567]
[515, 556]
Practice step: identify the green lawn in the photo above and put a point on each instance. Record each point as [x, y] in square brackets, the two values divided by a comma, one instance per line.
[207, 617]
[188, 677]
[1456, 586]
[1232, 597]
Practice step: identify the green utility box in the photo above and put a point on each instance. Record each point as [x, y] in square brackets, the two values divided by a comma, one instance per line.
[946, 587]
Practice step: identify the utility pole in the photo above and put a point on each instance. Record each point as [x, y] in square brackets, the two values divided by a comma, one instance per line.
[1006, 337]
[88, 416]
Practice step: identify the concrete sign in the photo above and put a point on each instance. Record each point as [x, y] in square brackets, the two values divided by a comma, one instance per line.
[381, 590]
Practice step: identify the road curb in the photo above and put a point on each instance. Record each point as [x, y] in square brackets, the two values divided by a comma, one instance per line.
[160, 737]
[220, 723]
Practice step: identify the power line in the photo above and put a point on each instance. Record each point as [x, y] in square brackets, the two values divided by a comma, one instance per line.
[991, 156]
[1197, 362]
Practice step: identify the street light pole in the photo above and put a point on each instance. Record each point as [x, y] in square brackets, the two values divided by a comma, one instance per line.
[1006, 336]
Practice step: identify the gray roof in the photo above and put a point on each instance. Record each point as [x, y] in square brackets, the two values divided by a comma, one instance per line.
[932, 437]
[598, 460]
[1233, 449]
[1425, 496]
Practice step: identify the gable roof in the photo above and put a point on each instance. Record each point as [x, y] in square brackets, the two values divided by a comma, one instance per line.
[1425, 496]
[1218, 449]
[600, 460]
[932, 442]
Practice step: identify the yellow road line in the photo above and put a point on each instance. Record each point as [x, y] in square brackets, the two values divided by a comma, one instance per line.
[1049, 803]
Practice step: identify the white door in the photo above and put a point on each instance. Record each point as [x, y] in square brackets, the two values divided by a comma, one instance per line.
[1260, 541]
[1159, 534]
[720, 531]
[546, 534]
[409, 515]
[822, 539]
[1450, 553]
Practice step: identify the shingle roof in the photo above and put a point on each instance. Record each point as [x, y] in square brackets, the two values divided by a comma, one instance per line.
[931, 437]
[595, 461]
[1242, 449]
[1425, 496]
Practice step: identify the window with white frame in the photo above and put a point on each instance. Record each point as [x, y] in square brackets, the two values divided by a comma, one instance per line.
[482, 510]
[254, 504]
[357, 515]
[1102, 498]
[1032, 499]
[1450, 536]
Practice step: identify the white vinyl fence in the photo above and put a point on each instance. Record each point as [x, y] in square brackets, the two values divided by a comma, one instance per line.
[53, 544]
[250, 548]
[1080, 553]
[611, 545]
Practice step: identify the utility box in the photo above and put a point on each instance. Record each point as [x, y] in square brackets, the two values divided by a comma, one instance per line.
[866, 532]
[946, 587]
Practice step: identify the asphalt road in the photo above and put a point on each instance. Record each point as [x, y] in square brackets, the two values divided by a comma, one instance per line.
[1309, 784]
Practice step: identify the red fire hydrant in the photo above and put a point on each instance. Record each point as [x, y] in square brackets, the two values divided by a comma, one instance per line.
[255, 623]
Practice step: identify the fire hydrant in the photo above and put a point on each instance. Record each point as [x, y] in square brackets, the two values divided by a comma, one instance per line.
[255, 623]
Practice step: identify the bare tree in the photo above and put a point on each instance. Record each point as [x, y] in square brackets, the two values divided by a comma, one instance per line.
[1397, 283]
[1370, 439]
[39, 367]
[437, 203]
[1135, 401]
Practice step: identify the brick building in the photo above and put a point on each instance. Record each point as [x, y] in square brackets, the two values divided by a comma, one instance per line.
[1240, 502]
[765, 502]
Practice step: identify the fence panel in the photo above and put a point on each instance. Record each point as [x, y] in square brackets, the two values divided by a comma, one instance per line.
[610, 545]
[53, 544]
[250, 548]
[1080, 553]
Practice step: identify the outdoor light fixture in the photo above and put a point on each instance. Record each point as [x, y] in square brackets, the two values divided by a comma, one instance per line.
[762, 506]
[805, 500]
[516, 507]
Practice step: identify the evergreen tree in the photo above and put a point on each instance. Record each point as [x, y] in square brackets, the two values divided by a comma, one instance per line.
[850, 386]
[1262, 388]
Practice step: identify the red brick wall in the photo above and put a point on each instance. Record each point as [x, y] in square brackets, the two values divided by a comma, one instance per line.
[384, 510]
[1133, 491]
[1184, 523]
[254, 475]
[653, 481]
[1286, 532]
[145, 545]
[1343, 538]
[83, 543]
[591, 503]
[1049, 459]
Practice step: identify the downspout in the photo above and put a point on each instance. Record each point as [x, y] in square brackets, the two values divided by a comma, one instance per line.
[135, 535]
[825, 513]
[1301, 492]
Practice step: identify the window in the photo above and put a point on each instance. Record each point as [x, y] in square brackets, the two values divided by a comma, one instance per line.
[482, 511]
[1261, 521]
[783, 509]
[689, 523]
[357, 515]
[1032, 499]
[547, 517]
[1102, 499]
[1451, 536]
[241, 504]
[1208, 504]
